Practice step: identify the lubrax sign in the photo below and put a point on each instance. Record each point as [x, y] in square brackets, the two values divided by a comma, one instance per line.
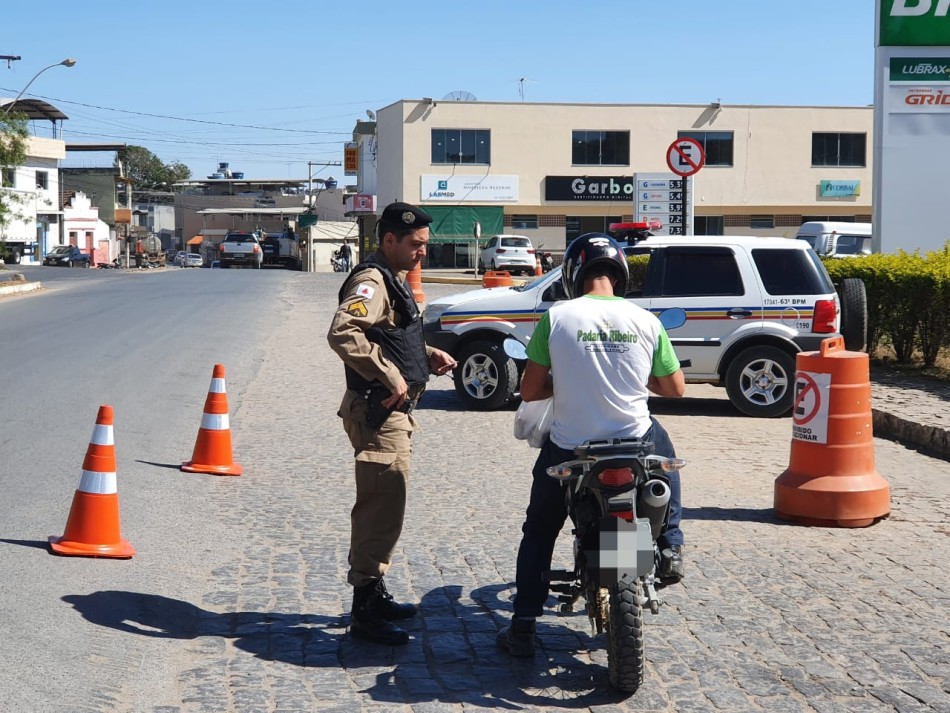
[589, 188]
[915, 22]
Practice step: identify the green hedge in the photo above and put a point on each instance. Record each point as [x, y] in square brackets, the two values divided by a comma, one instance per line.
[908, 300]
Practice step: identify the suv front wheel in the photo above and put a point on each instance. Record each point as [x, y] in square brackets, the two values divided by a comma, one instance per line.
[486, 377]
[760, 381]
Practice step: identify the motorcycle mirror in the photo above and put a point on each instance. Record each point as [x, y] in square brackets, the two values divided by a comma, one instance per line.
[672, 318]
[514, 348]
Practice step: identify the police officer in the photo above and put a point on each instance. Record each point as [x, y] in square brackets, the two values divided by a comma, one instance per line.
[377, 332]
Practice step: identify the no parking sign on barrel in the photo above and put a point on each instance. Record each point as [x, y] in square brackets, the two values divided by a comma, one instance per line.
[831, 479]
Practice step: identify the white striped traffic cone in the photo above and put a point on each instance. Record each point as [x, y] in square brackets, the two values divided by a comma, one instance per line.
[92, 529]
[212, 452]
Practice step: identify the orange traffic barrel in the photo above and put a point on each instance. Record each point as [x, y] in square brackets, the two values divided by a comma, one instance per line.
[497, 279]
[831, 479]
[414, 280]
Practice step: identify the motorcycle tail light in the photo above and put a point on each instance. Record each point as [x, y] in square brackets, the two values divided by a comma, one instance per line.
[615, 477]
[624, 515]
[824, 319]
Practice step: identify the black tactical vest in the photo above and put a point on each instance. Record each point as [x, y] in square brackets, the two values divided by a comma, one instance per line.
[403, 345]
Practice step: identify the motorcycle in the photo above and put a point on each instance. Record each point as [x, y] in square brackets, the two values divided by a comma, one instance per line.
[617, 494]
[547, 260]
[338, 263]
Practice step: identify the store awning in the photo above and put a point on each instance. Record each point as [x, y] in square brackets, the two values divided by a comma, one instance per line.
[197, 240]
[454, 223]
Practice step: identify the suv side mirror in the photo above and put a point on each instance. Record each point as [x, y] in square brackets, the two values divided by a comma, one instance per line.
[554, 293]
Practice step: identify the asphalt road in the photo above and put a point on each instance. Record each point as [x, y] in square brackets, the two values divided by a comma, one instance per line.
[236, 600]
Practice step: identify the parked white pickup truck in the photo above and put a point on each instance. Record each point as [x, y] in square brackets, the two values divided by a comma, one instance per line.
[241, 249]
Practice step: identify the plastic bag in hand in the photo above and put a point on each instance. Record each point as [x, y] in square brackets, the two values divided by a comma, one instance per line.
[533, 421]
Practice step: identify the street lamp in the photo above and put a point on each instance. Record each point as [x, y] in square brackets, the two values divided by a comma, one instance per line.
[68, 62]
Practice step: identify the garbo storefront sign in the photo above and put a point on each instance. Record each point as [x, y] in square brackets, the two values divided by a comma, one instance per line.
[588, 188]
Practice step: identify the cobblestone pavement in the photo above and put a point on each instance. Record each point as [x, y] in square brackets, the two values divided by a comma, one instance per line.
[771, 616]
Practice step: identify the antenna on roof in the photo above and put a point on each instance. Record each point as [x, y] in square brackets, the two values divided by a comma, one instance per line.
[460, 95]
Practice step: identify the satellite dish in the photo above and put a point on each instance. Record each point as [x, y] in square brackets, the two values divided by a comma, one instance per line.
[460, 95]
[371, 114]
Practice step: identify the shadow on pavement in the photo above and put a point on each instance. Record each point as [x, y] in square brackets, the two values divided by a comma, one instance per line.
[737, 514]
[452, 657]
[38, 544]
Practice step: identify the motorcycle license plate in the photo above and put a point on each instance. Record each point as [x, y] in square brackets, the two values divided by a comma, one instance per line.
[625, 549]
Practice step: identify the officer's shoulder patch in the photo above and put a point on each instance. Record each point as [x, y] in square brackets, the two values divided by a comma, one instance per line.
[357, 309]
[366, 290]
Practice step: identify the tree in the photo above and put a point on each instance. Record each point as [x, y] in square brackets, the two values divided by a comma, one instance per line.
[13, 142]
[148, 171]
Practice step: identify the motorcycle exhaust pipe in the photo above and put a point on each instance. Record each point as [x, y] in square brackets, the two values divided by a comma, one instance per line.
[652, 503]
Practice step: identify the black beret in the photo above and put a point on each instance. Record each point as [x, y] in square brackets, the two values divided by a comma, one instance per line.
[403, 215]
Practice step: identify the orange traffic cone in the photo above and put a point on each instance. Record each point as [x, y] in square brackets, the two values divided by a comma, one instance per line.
[213, 447]
[92, 529]
[537, 267]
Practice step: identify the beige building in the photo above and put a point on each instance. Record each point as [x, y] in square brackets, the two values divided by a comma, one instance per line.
[555, 171]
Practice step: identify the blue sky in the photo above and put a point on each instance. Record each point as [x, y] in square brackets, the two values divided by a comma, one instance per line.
[294, 77]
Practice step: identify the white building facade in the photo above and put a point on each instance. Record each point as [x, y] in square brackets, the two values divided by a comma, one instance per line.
[555, 171]
[35, 224]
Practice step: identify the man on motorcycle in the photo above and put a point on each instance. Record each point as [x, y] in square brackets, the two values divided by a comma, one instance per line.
[599, 356]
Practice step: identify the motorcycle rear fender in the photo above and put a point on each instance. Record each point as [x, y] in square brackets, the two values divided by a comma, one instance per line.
[625, 549]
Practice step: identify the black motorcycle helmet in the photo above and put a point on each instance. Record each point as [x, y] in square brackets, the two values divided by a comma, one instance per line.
[587, 251]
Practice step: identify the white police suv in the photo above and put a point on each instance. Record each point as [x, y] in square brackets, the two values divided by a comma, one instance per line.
[751, 303]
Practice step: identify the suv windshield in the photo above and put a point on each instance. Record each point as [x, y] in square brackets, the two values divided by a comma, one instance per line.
[791, 272]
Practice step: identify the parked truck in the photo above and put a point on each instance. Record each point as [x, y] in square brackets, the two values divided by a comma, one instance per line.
[242, 250]
[149, 252]
[282, 249]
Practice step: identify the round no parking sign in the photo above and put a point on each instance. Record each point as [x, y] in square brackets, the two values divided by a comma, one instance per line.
[810, 409]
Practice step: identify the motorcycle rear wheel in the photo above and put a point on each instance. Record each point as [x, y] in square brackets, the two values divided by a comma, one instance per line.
[625, 635]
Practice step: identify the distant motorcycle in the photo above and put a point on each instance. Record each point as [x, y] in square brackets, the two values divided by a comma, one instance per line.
[547, 262]
[338, 263]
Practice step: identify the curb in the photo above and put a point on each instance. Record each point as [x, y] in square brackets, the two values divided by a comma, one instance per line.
[931, 440]
[19, 288]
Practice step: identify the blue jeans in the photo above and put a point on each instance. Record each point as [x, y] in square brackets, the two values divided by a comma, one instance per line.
[547, 511]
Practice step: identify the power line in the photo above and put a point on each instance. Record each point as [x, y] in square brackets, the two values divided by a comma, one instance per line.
[178, 118]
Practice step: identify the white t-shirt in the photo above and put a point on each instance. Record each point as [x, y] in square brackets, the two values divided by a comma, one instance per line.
[601, 352]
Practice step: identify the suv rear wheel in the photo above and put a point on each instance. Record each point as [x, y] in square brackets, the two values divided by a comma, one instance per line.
[854, 313]
[486, 377]
[760, 381]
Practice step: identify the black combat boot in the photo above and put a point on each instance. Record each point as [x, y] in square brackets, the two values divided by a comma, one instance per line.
[671, 563]
[518, 638]
[390, 609]
[367, 622]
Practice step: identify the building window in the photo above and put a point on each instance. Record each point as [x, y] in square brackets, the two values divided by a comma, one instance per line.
[762, 222]
[600, 148]
[839, 149]
[826, 218]
[717, 146]
[461, 146]
[524, 222]
[8, 178]
[708, 225]
[42, 180]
